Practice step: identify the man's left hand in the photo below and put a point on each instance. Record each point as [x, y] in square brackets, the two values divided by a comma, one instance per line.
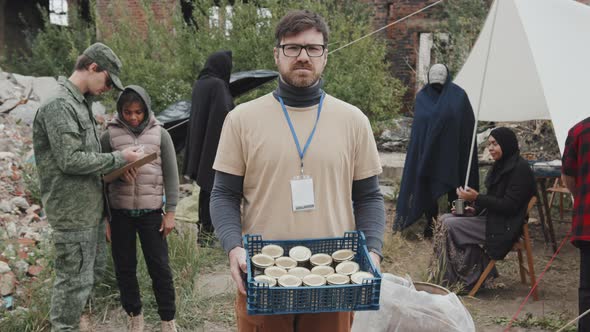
[168, 224]
[376, 260]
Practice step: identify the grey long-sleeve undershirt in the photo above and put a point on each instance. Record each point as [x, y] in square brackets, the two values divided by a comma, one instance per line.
[226, 196]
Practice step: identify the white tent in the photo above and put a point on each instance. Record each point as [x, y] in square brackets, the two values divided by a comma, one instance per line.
[535, 57]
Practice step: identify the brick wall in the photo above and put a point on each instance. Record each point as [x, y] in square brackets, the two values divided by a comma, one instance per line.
[403, 38]
[107, 10]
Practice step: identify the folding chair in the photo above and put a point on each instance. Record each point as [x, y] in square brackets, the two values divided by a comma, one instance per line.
[523, 243]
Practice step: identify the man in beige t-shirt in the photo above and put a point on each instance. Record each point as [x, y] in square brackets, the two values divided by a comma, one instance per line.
[302, 163]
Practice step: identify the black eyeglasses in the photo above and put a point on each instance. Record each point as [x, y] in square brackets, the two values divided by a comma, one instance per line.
[293, 50]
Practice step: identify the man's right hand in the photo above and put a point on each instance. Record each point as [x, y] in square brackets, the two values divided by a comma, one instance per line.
[237, 267]
[132, 153]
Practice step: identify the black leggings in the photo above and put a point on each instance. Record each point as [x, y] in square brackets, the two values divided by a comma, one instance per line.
[124, 230]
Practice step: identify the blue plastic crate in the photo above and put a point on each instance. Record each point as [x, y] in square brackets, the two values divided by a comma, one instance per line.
[264, 300]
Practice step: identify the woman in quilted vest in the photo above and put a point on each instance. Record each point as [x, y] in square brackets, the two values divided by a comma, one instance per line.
[136, 202]
[490, 226]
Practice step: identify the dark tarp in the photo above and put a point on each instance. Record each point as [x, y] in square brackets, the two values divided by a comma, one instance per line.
[437, 157]
[178, 113]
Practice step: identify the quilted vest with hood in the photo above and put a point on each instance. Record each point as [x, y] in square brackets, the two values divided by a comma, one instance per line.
[148, 189]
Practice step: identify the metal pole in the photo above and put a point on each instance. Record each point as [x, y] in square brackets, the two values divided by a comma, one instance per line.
[485, 71]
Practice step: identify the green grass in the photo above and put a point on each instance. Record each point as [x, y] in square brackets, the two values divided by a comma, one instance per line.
[32, 307]
[551, 322]
[188, 262]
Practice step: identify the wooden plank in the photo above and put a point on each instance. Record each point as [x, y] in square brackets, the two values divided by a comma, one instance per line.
[112, 176]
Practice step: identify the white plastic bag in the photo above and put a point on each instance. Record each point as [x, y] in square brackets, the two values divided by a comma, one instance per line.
[402, 309]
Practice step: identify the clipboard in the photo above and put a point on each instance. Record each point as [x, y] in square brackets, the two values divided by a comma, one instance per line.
[112, 176]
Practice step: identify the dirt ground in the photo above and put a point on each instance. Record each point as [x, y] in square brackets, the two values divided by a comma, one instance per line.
[492, 309]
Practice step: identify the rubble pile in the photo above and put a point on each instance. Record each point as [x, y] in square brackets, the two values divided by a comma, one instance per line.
[21, 96]
[24, 231]
[536, 138]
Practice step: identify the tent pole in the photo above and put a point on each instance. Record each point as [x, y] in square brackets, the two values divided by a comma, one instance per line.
[481, 89]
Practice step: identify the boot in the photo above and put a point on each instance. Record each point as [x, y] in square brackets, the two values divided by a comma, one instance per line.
[135, 323]
[169, 326]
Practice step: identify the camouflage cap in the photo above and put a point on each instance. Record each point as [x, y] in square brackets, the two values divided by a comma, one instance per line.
[106, 59]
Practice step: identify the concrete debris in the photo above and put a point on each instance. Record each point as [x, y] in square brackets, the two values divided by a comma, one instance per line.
[21, 96]
[536, 138]
[24, 231]
[34, 270]
[20, 202]
[4, 267]
[7, 283]
[397, 137]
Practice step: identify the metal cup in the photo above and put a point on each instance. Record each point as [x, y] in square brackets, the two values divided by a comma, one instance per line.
[459, 205]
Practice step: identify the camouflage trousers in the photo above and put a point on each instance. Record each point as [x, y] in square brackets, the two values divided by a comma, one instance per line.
[80, 264]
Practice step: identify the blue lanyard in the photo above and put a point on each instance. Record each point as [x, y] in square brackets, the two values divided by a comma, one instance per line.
[302, 153]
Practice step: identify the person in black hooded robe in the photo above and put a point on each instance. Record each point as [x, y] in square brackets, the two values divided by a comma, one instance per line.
[211, 101]
[438, 153]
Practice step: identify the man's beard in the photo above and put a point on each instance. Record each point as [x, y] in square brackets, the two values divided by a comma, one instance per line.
[293, 79]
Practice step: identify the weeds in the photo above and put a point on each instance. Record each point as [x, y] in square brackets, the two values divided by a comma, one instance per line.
[188, 262]
[32, 307]
[31, 179]
[551, 322]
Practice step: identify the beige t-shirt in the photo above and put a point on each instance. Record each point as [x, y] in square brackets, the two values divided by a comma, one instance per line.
[256, 143]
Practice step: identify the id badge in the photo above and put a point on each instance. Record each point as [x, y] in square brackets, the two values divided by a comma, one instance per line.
[302, 193]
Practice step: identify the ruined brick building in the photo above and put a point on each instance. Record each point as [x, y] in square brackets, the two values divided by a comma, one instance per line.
[409, 42]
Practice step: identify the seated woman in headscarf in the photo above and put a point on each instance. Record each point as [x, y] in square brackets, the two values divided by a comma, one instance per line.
[493, 222]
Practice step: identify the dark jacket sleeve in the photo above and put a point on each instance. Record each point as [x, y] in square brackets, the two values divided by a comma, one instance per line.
[518, 192]
[369, 211]
[226, 197]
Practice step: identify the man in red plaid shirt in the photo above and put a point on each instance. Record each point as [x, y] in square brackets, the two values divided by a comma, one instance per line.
[576, 176]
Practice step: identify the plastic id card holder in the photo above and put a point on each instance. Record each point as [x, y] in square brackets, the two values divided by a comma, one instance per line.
[302, 193]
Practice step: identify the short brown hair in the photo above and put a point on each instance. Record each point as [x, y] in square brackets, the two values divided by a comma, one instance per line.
[83, 62]
[298, 21]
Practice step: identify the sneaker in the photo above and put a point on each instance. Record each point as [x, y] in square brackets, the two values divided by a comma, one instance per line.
[169, 326]
[135, 323]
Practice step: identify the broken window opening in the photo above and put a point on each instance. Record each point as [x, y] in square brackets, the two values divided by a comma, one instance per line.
[58, 12]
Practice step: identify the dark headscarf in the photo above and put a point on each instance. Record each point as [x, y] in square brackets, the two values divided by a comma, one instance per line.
[510, 154]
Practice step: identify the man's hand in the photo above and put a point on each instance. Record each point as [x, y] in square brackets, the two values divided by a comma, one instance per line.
[237, 267]
[376, 260]
[108, 231]
[132, 153]
[168, 224]
[569, 182]
[130, 175]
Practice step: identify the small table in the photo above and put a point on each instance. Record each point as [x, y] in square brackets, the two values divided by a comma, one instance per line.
[547, 171]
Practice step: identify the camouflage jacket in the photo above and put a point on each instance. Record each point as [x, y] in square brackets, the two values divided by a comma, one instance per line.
[69, 160]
